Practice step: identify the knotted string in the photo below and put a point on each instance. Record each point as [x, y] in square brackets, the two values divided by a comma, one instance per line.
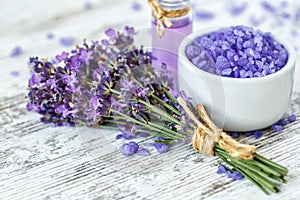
[207, 134]
[162, 16]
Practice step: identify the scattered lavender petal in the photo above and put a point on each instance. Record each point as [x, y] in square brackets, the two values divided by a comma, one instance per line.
[236, 175]
[16, 51]
[143, 134]
[294, 33]
[50, 36]
[15, 73]
[254, 21]
[297, 15]
[257, 134]
[87, 5]
[286, 15]
[204, 15]
[284, 4]
[119, 136]
[143, 152]
[221, 169]
[267, 6]
[129, 148]
[229, 174]
[248, 134]
[282, 122]
[238, 9]
[234, 135]
[161, 148]
[277, 128]
[66, 41]
[136, 6]
[292, 118]
[147, 144]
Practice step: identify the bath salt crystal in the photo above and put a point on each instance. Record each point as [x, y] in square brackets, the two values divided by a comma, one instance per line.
[238, 52]
[192, 51]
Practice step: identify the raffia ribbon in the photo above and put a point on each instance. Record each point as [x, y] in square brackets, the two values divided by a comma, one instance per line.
[162, 16]
[207, 134]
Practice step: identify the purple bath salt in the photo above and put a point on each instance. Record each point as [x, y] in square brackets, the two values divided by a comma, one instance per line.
[238, 52]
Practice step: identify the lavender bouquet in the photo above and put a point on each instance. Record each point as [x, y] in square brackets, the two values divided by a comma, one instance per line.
[113, 84]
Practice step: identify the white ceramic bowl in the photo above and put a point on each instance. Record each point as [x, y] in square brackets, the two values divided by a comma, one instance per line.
[237, 104]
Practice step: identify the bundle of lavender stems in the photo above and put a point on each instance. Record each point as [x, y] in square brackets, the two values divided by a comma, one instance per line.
[112, 84]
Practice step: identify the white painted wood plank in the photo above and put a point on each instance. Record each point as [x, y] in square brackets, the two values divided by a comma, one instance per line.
[39, 162]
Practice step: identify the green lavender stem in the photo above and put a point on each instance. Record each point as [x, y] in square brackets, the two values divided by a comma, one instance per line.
[161, 113]
[268, 162]
[152, 126]
[257, 172]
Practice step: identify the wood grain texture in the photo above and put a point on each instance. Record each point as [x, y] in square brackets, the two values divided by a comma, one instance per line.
[40, 162]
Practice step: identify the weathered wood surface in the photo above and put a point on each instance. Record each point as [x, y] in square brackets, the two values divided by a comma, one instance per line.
[40, 162]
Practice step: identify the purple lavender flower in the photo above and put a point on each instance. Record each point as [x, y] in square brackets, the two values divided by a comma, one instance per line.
[129, 149]
[63, 57]
[111, 33]
[130, 30]
[95, 103]
[77, 88]
[34, 80]
[85, 56]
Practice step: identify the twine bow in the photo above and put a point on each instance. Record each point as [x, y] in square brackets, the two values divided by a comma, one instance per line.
[162, 16]
[207, 133]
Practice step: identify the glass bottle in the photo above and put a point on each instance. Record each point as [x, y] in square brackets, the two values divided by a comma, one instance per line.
[165, 47]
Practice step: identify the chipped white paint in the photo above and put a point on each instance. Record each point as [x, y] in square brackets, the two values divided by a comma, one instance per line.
[39, 162]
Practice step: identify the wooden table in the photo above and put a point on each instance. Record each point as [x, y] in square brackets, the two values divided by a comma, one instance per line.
[40, 162]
